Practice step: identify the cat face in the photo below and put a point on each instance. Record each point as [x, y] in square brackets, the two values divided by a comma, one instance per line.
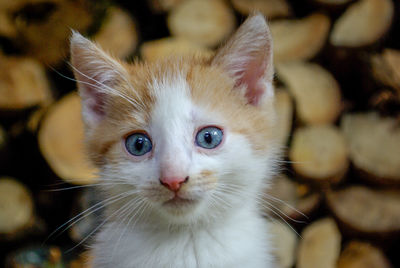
[186, 138]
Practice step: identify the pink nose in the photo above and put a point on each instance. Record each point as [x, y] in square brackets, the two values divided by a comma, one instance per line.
[173, 183]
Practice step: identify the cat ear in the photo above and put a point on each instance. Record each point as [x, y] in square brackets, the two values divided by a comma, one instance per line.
[97, 75]
[247, 57]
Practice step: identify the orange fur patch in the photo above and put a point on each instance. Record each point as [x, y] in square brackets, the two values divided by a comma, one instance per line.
[209, 87]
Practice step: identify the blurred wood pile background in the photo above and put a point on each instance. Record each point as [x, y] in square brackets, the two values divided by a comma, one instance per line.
[338, 98]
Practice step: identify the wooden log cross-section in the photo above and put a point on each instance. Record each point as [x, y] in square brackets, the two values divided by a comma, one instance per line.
[16, 208]
[171, 46]
[159, 6]
[118, 34]
[204, 22]
[23, 83]
[42, 28]
[366, 212]
[319, 154]
[61, 141]
[320, 246]
[359, 254]
[269, 8]
[299, 39]
[333, 2]
[316, 92]
[363, 23]
[285, 243]
[374, 146]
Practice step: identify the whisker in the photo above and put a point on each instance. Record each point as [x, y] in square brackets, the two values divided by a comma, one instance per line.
[261, 202]
[98, 227]
[89, 211]
[87, 186]
[130, 209]
[141, 206]
[277, 214]
[220, 199]
[285, 203]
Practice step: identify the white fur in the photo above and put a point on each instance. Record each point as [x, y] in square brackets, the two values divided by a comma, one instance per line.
[223, 232]
[238, 241]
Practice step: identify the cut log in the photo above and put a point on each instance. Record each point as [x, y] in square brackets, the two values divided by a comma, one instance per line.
[269, 8]
[10, 10]
[204, 22]
[61, 141]
[374, 146]
[16, 208]
[386, 68]
[362, 255]
[55, 19]
[320, 154]
[285, 242]
[7, 28]
[299, 39]
[315, 91]
[367, 212]
[284, 110]
[333, 2]
[118, 34]
[165, 47]
[23, 83]
[363, 23]
[290, 200]
[160, 6]
[320, 246]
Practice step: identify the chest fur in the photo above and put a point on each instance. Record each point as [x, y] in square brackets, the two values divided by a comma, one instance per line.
[238, 242]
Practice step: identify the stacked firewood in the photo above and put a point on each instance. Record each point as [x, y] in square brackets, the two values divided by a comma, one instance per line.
[336, 202]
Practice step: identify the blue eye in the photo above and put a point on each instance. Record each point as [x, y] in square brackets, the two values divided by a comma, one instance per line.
[138, 144]
[209, 137]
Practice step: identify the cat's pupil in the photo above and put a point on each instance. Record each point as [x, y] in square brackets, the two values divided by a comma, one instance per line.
[207, 137]
[139, 144]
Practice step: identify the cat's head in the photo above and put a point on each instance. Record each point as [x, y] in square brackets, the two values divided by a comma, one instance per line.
[185, 138]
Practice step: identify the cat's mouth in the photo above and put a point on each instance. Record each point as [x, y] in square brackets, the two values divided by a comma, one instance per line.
[179, 201]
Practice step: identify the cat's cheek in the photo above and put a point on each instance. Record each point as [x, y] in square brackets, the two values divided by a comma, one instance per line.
[135, 158]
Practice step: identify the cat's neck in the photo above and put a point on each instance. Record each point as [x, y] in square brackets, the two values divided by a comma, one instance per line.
[194, 244]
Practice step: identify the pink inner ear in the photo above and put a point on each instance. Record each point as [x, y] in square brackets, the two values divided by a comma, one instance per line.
[97, 102]
[252, 76]
[94, 100]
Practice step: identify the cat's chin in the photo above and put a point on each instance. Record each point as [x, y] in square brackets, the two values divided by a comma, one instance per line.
[179, 202]
[179, 208]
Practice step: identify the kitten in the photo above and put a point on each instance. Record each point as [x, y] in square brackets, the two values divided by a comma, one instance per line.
[185, 146]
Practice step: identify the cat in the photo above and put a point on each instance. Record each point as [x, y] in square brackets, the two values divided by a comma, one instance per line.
[185, 146]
